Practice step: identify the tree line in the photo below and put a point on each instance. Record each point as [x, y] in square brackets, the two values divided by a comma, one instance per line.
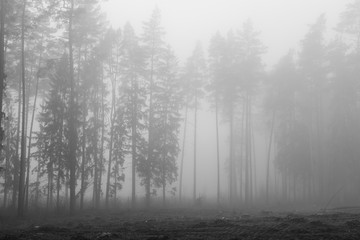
[82, 102]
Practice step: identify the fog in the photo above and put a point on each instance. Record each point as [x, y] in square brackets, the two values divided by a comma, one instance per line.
[219, 104]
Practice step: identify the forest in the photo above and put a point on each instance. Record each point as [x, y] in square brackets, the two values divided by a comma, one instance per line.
[88, 109]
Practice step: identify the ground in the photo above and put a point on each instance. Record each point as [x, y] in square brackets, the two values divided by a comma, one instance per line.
[186, 224]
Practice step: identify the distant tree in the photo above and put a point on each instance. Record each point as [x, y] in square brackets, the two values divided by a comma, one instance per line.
[154, 47]
[195, 72]
[113, 40]
[21, 202]
[51, 140]
[9, 156]
[132, 98]
[217, 74]
[167, 105]
[311, 64]
[349, 23]
[2, 66]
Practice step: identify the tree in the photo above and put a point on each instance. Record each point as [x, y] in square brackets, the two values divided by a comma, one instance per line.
[114, 40]
[167, 104]
[21, 202]
[133, 98]
[51, 141]
[311, 63]
[2, 64]
[217, 68]
[195, 72]
[154, 47]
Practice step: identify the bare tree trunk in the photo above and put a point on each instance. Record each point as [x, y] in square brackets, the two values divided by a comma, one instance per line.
[7, 161]
[72, 127]
[37, 190]
[31, 131]
[217, 149]
[23, 131]
[247, 153]
[83, 156]
[113, 83]
[58, 187]
[164, 158]
[96, 159]
[268, 157]
[2, 61]
[231, 155]
[50, 185]
[242, 137]
[2, 79]
[183, 152]
[195, 136]
[17, 158]
[133, 143]
[102, 141]
[150, 134]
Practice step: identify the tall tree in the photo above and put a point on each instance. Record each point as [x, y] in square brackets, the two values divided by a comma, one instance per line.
[167, 104]
[133, 98]
[2, 63]
[154, 45]
[311, 63]
[21, 202]
[196, 72]
[217, 68]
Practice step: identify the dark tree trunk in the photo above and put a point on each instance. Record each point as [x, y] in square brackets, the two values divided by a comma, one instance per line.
[217, 149]
[195, 136]
[183, 150]
[268, 157]
[72, 127]
[23, 130]
[31, 131]
[2, 64]
[133, 143]
[111, 143]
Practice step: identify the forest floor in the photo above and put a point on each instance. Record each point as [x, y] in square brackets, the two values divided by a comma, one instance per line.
[186, 224]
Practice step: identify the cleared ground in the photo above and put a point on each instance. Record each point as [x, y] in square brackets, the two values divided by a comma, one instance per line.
[187, 224]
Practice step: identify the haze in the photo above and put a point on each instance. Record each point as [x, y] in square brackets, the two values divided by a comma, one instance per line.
[169, 103]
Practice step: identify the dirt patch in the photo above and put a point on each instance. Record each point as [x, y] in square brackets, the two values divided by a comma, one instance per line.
[186, 224]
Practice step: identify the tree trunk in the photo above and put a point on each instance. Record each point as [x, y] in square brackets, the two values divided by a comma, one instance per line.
[58, 187]
[247, 152]
[164, 158]
[183, 151]
[31, 131]
[231, 155]
[7, 161]
[83, 156]
[268, 157]
[23, 130]
[113, 83]
[2, 64]
[37, 190]
[133, 143]
[102, 141]
[50, 184]
[217, 148]
[95, 146]
[195, 135]
[72, 127]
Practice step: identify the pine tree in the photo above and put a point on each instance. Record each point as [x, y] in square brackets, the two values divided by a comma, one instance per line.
[133, 102]
[154, 46]
[167, 104]
[195, 73]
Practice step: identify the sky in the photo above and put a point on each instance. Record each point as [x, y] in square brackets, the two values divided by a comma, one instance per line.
[281, 23]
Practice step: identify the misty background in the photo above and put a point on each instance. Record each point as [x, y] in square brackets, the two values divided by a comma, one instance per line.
[142, 103]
